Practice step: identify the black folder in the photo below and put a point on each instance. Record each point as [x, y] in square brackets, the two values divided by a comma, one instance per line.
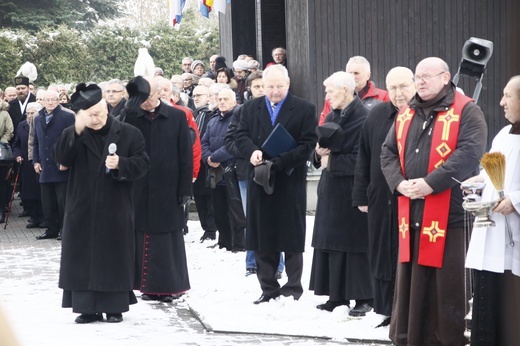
[279, 141]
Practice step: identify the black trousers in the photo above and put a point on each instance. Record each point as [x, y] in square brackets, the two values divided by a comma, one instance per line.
[230, 229]
[34, 208]
[53, 203]
[267, 266]
[205, 212]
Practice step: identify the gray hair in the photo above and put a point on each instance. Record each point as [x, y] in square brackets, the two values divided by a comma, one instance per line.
[34, 105]
[116, 81]
[358, 59]
[218, 87]
[340, 80]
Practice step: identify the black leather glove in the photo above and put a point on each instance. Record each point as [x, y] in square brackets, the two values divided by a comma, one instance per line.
[183, 200]
[277, 164]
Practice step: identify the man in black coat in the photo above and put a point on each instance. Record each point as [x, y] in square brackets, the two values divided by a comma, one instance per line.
[276, 222]
[372, 195]
[161, 195]
[97, 258]
[53, 176]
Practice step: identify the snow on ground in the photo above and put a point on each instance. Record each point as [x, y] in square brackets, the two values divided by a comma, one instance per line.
[221, 295]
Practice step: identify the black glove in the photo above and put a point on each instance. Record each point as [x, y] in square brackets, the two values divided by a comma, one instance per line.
[277, 164]
[183, 200]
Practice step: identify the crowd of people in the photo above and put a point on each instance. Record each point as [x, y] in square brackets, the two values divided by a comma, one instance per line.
[115, 164]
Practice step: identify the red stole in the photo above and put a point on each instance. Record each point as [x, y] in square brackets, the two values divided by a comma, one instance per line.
[436, 206]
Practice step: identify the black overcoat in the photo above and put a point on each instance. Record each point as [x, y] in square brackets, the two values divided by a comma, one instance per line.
[168, 143]
[338, 225]
[98, 242]
[17, 116]
[30, 185]
[371, 189]
[277, 222]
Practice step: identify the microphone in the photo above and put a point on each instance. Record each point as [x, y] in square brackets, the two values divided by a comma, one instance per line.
[112, 148]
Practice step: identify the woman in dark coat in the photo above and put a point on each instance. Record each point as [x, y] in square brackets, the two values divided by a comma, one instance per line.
[340, 267]
[98, 242]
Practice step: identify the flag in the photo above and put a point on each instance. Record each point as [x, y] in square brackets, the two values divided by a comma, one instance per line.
[203, 8]
[220, 5]
[175, 10]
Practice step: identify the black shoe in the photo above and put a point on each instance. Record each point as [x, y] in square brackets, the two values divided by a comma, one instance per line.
[46, 236]
[385, 322]
[23, 213]
[59, 236]
[114, 318]
[89, 318]
[32, 225]
[331, 305]
[149, 297]
[166, 299]
[360, 310]
[264, 298]
[43, 224]
[237, 249]
[208, 235]
[250, 271]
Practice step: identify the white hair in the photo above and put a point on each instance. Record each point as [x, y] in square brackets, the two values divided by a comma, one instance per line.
[276, 67]
[340, 80]
[358, 59]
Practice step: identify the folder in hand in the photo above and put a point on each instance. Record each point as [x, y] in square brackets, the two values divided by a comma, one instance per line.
[279, 141]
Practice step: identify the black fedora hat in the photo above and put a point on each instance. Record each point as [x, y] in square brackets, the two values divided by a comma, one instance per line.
[85, 96]
[330, 136]
[263, 177]
[138, 91]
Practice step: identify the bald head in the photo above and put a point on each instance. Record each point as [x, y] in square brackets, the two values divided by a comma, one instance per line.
[431, 76]
[400, 85]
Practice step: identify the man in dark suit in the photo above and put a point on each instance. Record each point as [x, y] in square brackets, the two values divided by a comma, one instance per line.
[160, 196]
[17, 107]
[48, 126]
[276, 222]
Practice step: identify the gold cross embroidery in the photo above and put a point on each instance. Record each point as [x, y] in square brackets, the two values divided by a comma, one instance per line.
[433, 232]
[447, 119]
[402, 119]
[403, 228]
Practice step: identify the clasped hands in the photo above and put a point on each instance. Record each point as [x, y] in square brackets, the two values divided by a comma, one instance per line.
[414, 188]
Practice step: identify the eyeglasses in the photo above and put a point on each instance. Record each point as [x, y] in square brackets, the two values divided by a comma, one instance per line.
[50, 100]
[426, 78]
[399, 87]
[113, 91]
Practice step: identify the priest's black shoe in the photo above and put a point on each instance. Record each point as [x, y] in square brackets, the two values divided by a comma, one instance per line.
[166, 299]
[264, 298]
[114, 318]
[331, 305]
[208, 235]
[149, 297]
[360, 310]
[46, 236]
[32, 225]
[89, 318]
[385, 322]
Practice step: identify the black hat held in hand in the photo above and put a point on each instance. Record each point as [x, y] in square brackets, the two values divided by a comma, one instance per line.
[330, 136]
[138, 90]
[85, 96]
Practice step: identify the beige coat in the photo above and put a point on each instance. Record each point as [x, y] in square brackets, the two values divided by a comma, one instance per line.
[6, 124]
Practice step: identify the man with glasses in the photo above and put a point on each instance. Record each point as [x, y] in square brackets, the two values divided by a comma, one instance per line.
[115, 92]
[381, 203]
[48, 126]
[439, 137]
